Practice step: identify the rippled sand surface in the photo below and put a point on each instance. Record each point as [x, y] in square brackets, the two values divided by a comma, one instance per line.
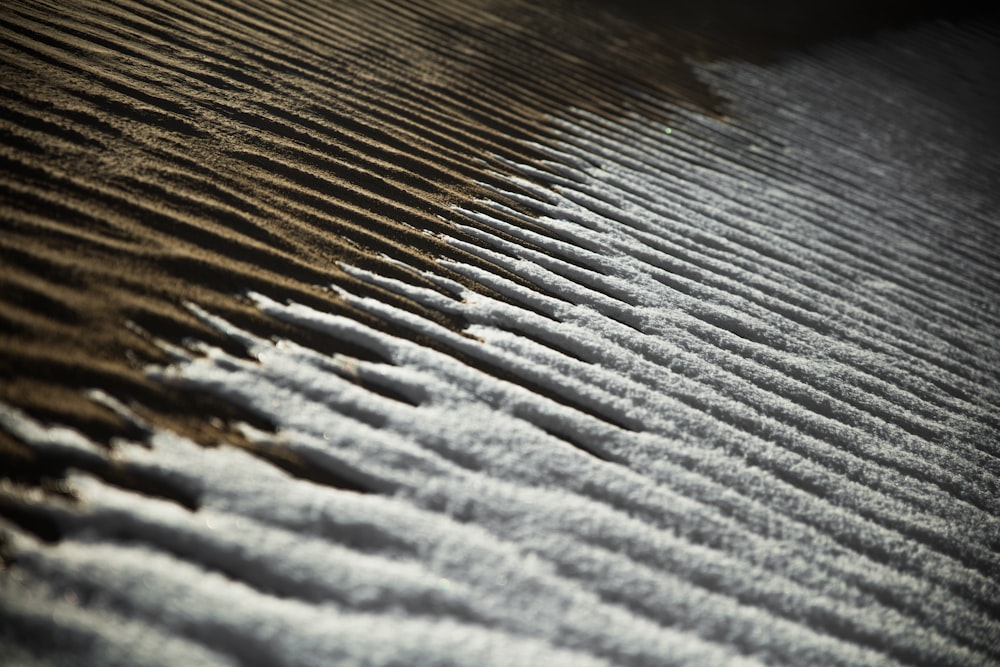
[496, 333]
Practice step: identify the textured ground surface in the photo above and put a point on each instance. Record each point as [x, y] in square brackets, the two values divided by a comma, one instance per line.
[491, 333]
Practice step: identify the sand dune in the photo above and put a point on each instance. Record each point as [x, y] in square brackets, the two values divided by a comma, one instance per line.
[495, 333]
[161, 153]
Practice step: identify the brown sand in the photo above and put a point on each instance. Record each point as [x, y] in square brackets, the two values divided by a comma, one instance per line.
[153, 154]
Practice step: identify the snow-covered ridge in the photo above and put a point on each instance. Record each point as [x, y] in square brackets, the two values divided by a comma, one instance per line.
[749, 417]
